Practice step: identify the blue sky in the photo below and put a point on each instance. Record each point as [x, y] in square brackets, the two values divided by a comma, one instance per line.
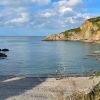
[43, 17]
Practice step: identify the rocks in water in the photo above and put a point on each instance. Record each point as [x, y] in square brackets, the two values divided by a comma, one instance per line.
[92, 55]
[2, 55]
[85, 58]
[5, 50]
[96, 52]
[98, 59]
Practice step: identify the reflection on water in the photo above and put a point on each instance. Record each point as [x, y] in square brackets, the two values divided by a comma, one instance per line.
[31, 56]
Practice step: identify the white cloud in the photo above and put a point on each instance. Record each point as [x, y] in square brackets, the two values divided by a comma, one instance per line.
[63, 10]
[18, 12]
[12, 16]
[23, 18]
[41, 2]
[67, 6]
[82, 15]
[61, 14]
[48, 13]
[23, 2]
[13, 2]
[74, 3]
[71, 20]
[68, 3]
[60, 3]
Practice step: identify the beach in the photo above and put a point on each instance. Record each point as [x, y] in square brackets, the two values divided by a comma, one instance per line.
[49, 50]
[37, 88]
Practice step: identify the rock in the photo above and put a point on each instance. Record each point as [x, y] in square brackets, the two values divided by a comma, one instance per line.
[96, 52]
[5, 50]
[0, 49]
[2, 55]
[98, 59]
[92, 55]
[85, 58]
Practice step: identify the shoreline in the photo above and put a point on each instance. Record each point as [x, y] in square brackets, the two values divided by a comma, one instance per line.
[47, 76]
[27, 88]
[84, 74]
[83, 41]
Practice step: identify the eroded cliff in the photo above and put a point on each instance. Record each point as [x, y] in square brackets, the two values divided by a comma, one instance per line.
[89, 31]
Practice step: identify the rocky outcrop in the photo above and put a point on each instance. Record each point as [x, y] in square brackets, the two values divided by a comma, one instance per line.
[5, 50]
[2, 55]
[88, 32]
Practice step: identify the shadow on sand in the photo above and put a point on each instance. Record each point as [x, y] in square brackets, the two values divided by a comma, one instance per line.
[10, 87]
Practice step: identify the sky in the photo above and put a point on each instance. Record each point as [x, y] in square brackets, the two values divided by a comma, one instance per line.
[44, 17]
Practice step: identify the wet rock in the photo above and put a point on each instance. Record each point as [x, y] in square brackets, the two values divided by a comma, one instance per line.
[98, 59]
[2, 55]
[96, 52]
[5, 50]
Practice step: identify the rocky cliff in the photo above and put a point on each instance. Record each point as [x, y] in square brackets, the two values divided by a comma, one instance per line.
[89, 31]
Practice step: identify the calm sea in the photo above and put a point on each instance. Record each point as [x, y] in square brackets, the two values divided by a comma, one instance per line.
[31, 56]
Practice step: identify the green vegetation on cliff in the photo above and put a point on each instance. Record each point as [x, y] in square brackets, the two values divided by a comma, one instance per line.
[68, 33]
[72, 30]
[94, 19]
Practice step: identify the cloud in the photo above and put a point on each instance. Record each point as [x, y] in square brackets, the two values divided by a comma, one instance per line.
[48, 13]
[41, 2]
[58, 15]
[67, 6]
[17, 3]
[80, 15]
[68, 3]
[74, 3]
[13, 17]
[18, 12]
[13, 2]
[21, 19]
[63, 10]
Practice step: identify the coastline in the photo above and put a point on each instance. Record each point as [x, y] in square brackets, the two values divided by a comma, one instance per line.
[42, 88]
[84, 41]
[89, 31]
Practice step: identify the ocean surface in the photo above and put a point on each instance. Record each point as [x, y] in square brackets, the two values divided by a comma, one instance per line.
[32, 56]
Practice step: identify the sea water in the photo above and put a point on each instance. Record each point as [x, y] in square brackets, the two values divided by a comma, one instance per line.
[32, 56]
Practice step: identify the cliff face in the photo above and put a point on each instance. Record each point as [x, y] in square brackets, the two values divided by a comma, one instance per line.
[88, 31]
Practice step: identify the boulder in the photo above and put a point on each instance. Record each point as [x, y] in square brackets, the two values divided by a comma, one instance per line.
[2, 55]
[5, 50]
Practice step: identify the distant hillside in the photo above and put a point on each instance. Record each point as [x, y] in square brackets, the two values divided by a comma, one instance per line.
[89, 31]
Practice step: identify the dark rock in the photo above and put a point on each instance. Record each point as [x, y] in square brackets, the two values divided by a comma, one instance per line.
[5, 50]
[2, 55]
[0, 49]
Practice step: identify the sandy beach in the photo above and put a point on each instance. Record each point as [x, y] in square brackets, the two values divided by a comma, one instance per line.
[33, 88]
